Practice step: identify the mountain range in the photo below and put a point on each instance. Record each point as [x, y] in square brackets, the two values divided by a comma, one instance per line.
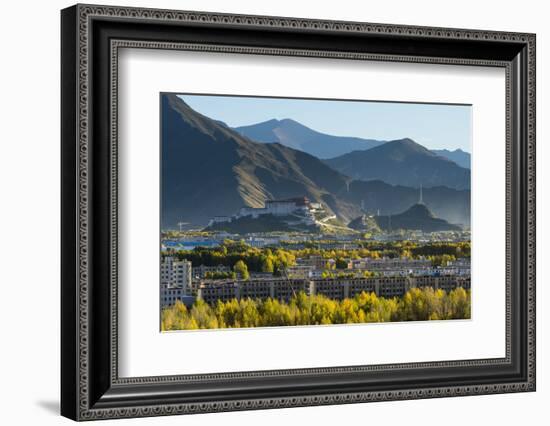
[462, 158]
[295, 135]
[209, 169]
[402, 162]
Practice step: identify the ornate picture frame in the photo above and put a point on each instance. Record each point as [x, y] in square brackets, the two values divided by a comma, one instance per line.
[91, 37]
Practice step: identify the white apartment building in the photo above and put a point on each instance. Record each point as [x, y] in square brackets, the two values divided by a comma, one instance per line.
[175, 281]
[175, 273]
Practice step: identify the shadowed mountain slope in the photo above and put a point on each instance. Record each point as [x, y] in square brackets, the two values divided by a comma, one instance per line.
[402, 162]
[209, 169]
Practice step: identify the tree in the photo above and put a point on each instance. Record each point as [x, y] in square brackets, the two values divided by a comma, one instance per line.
[329, 265]
[341, 263]
[406, 254]
[327, 274]
[267, 263]
[241, 268]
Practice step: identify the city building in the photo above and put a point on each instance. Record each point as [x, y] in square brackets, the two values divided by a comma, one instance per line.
[169, 296]
[175, 281]
[201, 271]
[388, 263]
[277, 288]
[459, 266]
[262, 241]
[300, 271]
[316, 262]
[175, 273]
[335, 288]
[393, 267]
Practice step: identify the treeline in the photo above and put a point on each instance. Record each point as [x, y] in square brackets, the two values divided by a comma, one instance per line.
[255, 259]
[275, 259]
[462, 249]
[418, 304]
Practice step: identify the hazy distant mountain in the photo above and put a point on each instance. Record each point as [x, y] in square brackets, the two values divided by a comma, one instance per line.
[210, 170]
[402, 162]
[417, 217]
[462, 158]
[379, 198]
[295, 135]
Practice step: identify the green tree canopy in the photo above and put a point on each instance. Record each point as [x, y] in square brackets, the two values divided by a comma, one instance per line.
[418, 304]
[242, 269]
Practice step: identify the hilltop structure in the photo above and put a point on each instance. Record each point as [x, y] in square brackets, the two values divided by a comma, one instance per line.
[300, 208]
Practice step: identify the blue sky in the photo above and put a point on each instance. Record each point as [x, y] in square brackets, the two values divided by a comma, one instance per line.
[436, 126]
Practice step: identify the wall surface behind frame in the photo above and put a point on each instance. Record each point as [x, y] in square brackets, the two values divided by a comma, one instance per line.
[29, 218]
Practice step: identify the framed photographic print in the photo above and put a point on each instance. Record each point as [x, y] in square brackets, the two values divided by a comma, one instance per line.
[263, 212]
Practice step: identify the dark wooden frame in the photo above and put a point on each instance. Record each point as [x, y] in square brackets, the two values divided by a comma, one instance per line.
[90, 386]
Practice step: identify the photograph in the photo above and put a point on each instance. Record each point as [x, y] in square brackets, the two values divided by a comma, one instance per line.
[279, 211]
